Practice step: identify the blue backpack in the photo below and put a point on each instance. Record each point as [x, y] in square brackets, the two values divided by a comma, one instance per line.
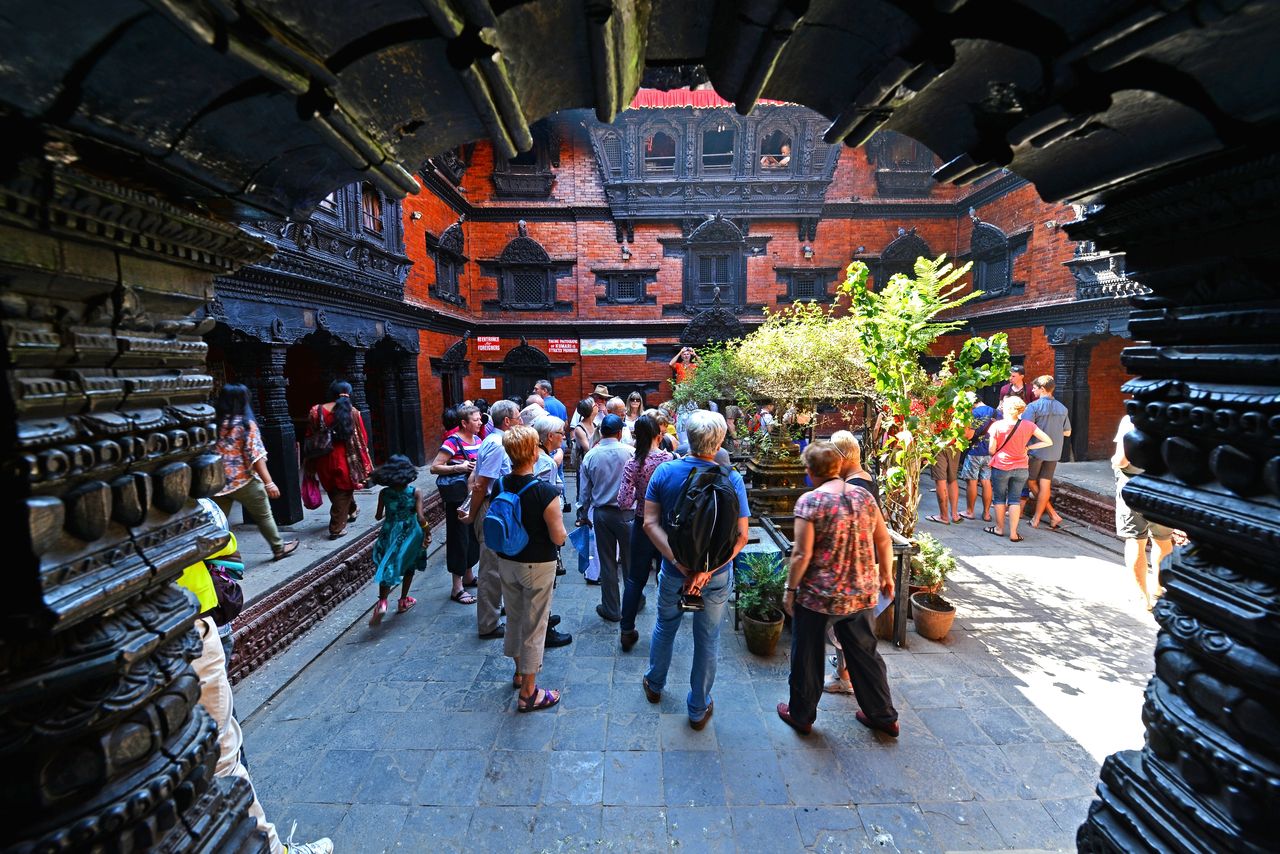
[503, 527]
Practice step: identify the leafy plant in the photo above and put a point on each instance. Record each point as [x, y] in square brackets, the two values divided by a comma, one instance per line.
[761, 581]
[932, 563]
[920, 415]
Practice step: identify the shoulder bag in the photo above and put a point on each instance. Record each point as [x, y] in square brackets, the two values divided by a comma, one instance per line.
[319, 441]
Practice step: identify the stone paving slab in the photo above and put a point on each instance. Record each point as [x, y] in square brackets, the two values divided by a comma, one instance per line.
[405, 738]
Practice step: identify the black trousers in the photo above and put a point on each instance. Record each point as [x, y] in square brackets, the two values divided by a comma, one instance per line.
[461, 548]
[866, 667]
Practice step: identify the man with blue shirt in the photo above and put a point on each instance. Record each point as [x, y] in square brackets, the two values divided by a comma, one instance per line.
[599, 478]
[976, 469]
[549, 401]
[1051, 417]
[706, 431]
[492, 463]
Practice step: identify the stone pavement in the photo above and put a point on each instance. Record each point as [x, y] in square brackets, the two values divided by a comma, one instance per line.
[406, 737]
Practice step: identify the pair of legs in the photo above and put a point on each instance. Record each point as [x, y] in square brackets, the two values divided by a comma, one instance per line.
[706, 637]
[639, 565]
[488, 581]
[1040, 482]
[461, 553]
[342, 509]
[976, 472]
[946, 484]
[612, 527]
[1134, 528]
[858, 641]
[527, 588]
[215, 696]
[1006, 485]
[253, 498]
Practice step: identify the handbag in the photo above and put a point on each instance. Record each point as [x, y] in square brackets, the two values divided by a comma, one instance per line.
[319, 441]
[312, 495]
[230, 596]
[453, 488]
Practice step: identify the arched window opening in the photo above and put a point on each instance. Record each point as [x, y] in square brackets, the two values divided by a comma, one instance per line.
[775, 150]
[370, 209]
[717, 149]
[660, 154]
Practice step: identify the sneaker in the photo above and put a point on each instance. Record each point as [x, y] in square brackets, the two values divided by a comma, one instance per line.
[836, 685]
[557, 638]
[323, 845]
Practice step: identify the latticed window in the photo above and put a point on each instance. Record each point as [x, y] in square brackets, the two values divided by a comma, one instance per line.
[370, 209]
[613, 154]
[625, 288]
[446, 276]
[713, 272]
[526, 287]
[805, 287]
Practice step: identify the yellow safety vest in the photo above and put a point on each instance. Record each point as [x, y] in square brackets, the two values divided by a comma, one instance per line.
[196, 578]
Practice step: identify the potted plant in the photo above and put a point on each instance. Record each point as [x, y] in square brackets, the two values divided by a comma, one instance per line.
[931, 614]
[761, 580]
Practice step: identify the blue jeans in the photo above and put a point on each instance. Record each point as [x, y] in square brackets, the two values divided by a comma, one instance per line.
[706, 636]
[1007, 484]
[643, 553]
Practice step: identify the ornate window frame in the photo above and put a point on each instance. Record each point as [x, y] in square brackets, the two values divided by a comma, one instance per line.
[900, 256]
[716, 120]
[533, 181]
[715, 237]
[373, 210]
[819, 279]
[626, 286]
[450, 262]
[992, 253]
[525, 257]
[764, 129]
[648, 130]
[909, 179]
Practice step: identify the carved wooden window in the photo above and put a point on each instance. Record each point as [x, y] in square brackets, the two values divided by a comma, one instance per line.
[612, 147]
[717, 149]
[447, 252]
[806, 283]
[660, 154]
[713, 272]
[446, 276]
[370, 209]
[526, 287]
[992, 253]
[775, 150]
[528, 174]
[900, 256]
[904, 167]
[329, 204]
[626, 286]
[804, 287]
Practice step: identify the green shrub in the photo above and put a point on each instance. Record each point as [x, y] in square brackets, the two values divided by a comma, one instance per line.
[761, 580]
[932, 563]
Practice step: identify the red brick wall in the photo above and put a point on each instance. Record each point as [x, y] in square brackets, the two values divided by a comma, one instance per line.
[1106, 401]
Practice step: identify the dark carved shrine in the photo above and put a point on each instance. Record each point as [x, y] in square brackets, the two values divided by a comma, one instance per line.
[138, 134]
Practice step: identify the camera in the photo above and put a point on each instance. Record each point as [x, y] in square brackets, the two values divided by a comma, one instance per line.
[689, 602]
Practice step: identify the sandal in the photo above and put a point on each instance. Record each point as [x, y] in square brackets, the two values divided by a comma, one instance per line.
[379, 611]
[462, 597]
[406, 602]
[991, 529]
[1017, 539]
[287, 548]
[475, 582]
[937, 519]
[534, 702]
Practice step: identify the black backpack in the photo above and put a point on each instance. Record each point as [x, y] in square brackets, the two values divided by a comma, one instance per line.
[703, 526]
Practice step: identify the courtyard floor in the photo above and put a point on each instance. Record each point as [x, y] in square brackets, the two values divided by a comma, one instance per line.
[405, 737]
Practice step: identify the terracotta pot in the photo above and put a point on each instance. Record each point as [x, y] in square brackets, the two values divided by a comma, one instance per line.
[933, 615]
[762, 636]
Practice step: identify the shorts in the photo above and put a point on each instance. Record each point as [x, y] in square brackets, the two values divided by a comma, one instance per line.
[947, 466]
[1039, 469]
[976, 467]
[1132, 525]
[1007, 484]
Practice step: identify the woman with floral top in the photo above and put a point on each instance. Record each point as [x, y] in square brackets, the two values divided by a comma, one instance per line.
[635, 481]
[840, 541]
[245, 461]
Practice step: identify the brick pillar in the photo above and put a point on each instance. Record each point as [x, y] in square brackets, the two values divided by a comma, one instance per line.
[1071, 387]
[1206, 431]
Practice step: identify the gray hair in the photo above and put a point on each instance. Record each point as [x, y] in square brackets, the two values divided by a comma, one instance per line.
[543, 384]
[503, 410]
[531, 413]
[546, 425]
[616, 403]
[706, 431]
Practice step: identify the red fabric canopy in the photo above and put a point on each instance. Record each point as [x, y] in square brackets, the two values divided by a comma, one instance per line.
[656, 98]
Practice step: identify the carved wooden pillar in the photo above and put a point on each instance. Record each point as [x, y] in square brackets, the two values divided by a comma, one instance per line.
[278, 434]
[388, 419]
[1206, 413]
[353, 371]
[1071, 361]
[108, 437]
[410, 409]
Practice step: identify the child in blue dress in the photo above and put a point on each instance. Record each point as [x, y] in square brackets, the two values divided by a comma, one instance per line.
[401, 547]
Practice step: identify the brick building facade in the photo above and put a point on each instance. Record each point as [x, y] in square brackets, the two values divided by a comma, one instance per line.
[611, 239]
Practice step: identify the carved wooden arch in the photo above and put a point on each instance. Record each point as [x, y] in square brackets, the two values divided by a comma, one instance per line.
[901, 254]
[717, 229]
[451, 239]
[717, 117]
[524, 250]
[525, 357]
[715, 325]
[679, 136]
[768, 124]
